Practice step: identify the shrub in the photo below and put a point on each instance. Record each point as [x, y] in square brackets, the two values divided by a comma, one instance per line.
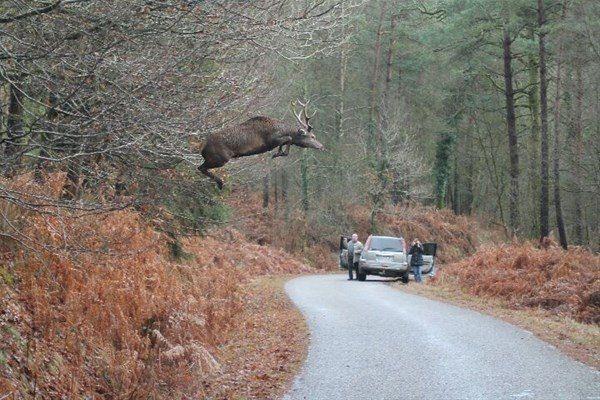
[99, 308]
[567, 282]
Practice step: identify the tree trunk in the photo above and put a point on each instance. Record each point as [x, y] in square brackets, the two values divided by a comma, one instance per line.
[396, 190]
[577, 152]
[45, 137]
[375, 79]
[275, 176]
[442, 168]
[342, 82]
[513, 150]
[467, 204]
[265, 191]
[556, 153]
[304, 181]
[14, 127]
[455, 188]
[374, 147]
[285, 196]
[544, 170]
[389, 57]
[399, 88]
[384, 114]
[534, 143]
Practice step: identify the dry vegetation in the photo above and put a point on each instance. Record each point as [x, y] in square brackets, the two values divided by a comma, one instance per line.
[456, 235]
[258, 364]
[566, 282]
[297, 235]
[97, 306]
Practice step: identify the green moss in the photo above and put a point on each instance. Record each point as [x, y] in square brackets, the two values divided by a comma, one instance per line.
[55, 364]
[217, 213]
[12, 332]
[177, 252]
[3, 358]
[6, 276]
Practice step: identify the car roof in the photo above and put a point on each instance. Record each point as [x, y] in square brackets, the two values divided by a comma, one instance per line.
[385, 237]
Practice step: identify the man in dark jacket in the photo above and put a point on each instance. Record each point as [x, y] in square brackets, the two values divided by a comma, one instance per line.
[416, 261]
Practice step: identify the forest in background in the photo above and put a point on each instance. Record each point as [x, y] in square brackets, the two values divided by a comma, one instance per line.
[487, 108]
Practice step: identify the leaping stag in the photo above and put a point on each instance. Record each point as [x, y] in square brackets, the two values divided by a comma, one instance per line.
[258, 135]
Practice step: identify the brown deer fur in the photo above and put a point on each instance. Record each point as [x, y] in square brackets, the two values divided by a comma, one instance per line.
[256, 135]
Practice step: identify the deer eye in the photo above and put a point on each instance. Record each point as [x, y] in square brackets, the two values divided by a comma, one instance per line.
[302, 132]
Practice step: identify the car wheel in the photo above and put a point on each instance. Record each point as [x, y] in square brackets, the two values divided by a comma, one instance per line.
[405, 277]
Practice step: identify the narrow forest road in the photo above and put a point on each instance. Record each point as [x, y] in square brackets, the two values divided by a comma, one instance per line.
[369, 341]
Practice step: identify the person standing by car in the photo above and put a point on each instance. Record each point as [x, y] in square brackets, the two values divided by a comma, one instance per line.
[354, 249]
[416, 261]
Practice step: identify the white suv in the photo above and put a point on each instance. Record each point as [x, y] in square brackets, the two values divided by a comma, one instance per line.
[386, 256]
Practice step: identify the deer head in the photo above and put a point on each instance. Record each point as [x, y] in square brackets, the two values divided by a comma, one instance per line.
[304, 136]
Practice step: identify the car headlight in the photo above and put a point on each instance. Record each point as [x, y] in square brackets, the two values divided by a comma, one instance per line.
[399, 258]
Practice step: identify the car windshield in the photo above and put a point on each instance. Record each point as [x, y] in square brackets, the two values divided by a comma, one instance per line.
[387, 244]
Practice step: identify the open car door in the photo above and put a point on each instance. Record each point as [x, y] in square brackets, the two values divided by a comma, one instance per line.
[429, 252]
[429, 249]
[343, 252]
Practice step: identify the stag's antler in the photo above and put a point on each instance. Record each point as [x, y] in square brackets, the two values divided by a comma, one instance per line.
[306, 122]
[297, 115]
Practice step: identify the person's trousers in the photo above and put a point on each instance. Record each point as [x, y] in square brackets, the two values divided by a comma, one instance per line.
[350, 267]
[417, 272]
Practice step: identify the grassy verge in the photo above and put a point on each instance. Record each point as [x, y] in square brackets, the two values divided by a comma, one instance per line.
[578, 340]
[266, 349]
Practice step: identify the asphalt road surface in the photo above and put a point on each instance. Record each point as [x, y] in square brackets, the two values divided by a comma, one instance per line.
[369, 341]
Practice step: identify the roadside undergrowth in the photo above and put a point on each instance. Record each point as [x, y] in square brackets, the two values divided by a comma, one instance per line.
[256, 363]
[97, 306]
[526, 276]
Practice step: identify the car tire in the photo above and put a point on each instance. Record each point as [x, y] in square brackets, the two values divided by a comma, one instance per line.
[405, 277]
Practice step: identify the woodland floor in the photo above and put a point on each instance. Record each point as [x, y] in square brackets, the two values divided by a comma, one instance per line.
[267, 348]
[578, 340]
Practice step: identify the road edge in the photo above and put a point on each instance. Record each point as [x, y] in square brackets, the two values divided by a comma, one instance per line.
[269, 347]
[578, 341]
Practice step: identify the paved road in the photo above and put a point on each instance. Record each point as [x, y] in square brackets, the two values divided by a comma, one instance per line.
[369, 342]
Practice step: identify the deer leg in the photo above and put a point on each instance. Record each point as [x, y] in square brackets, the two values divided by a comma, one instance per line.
[284, 141]
[205, 170]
